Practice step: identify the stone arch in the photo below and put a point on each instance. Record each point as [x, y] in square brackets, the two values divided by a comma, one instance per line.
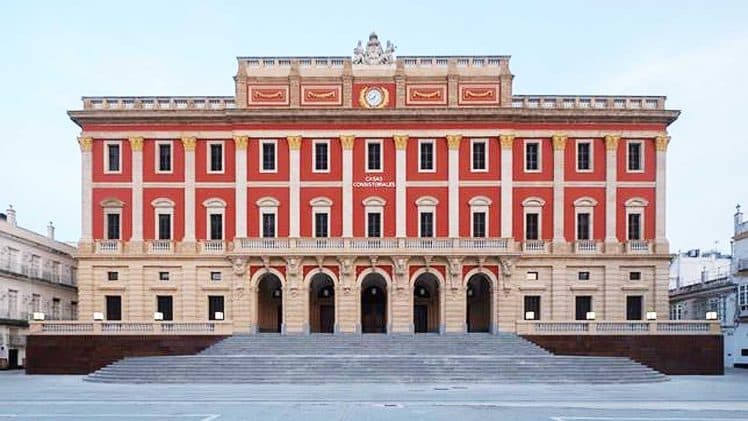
[270, 299]
[374, 301]
[480, 301]
[427, 301]
[321, 300]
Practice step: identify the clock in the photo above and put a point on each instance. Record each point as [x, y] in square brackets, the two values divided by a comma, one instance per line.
[374, 97]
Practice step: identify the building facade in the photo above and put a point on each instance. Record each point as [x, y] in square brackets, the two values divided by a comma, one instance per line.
[736, 338]
[37, 275]
[373, 194]
[697, 266]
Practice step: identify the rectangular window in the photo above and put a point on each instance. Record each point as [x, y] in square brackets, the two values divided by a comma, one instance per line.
[532, 276]
[164, 226]
[268, 156]
[12, 304]
[321, 156]
[479, 224]
[532, 226]
[112, 276]
[426, 155]
[268, 225]
[215, 276]
[216, 226]
[374, 156]
[113, 156]
[583, 226]
[374, 224]
[532, 156]
[113, 307]
[112, 226]
[635, 276]
[583, 305]
[743, 295]
[164, 157]
[216, 157]
[532, 304]
[634, 226]
[426, 224]
[55, 309]
[73, 310]
[479, 155]
[163, 276]
[320, 225]
[36, 302]
[165, 306]
[583, 276]
[584, 156]
[634, 307]
[215, 305]
[635, 156]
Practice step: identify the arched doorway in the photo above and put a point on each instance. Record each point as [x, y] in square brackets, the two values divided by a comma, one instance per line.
[479, 304]
[374, 304]
[321, 304]
[269, 304]
[426, 316]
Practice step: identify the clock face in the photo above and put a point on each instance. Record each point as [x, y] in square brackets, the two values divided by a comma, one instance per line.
[374, 97]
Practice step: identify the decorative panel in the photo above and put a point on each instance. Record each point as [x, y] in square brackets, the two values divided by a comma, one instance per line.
[479, 94]
[426, 94]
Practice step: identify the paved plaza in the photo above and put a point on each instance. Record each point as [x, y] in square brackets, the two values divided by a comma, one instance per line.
[715, 398]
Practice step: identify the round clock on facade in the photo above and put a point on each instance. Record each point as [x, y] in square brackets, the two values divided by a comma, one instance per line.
[374, 97]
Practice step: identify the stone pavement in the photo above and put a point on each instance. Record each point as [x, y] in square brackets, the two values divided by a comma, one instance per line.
[714, 398]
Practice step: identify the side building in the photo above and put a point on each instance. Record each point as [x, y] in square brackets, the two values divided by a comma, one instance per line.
[737, 338]
[37, 275]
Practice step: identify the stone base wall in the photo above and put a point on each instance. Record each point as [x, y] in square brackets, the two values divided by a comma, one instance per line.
[669, 354]
[82, 354]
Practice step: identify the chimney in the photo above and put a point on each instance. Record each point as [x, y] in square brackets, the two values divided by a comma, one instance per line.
[51, 231]
[11, 215]
[738, 217]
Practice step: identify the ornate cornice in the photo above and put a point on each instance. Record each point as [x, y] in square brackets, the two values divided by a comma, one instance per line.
[611, 142]
[453, 140]
[559, 142]
[86, 143]
[241, 142]
[346, 141]
[136, 143]
[661, 142]
[294, 142]
[189, 143]
[401, 141]
[506, 141]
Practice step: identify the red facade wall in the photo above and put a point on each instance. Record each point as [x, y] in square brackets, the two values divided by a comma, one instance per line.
[442, 161]
[625, 194]
[150, 161]
[494, 211]
[650, 162]
[201, 215]
[493, 160]
[598, 215]
[518, 215]
[442, 209]
[124, 195]
[335, 222]
[253, 211]
[546, 161]
[97, 155]
[598, 161]
[254, 161]
[335, 163]
[149, 211]
[201, 161]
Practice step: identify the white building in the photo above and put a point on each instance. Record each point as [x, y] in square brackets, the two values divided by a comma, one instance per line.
[736, 338]
[696, 266]
[37, 275]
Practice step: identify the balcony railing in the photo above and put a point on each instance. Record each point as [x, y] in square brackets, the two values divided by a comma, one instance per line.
[261, 243]
[320, 243]
[160, 246]
[589, 102]
[131, 328]
[373, 243]
[62, 277]
[535, 246]
[493, 244]
[665, 327]
[213, 246]
[638, 247]
[159, 103]
[587, 246]
[108, 246]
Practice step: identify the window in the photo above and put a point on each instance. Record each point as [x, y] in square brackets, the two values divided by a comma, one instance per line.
[426, 224]
[73, 310]
[165, 306]
[479, 206]
[583, 276]
[583, 226]
[743, 295]
[268, 156]
[112, 276]
[634, 156]
[426, 156]
[112, 157]
[215, 157]
[268, 208]
[532, 156]
[12, 304]
[163, 276]
[320, 224]
[36, 303]
[634, 307]
[479, 155]
[215, 212]
[532, 305]
[532, 226]
[215, 276]
[373, 155]
[163, 158]
[216, 226]
[374, 224]
[268, 224]
[584, 156]
[112, 226]
[479, 224]
[634, 226]
[215, 305]
[113, 307]
[164, 226]
[426, 216]
[321, 156]
[583, 305]
[635, 276]
[55, 309]
[532, 276]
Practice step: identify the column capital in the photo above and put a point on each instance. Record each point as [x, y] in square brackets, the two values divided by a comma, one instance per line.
[346, 141]
[294, 142]
[559, 142]
[661, 142]
[401, 141]
[136, 143]
[453, 141]
[611, 142]
[86, 143]
[241, 142]
[506, 141]
[189, 143]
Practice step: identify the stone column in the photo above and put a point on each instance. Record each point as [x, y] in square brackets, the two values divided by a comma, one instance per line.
[240, 183]
[189, 144]
[86, 143]
[294, 184]
[611, 165]
[559, 148]
[507, 185]
[136, 146]
[453, 142]
[661, 242]
[346, 141]
[401, 143]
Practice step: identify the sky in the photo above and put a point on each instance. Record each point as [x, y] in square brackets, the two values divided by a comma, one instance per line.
[694, 52]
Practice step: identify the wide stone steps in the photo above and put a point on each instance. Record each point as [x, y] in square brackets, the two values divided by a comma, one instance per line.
[315, 359]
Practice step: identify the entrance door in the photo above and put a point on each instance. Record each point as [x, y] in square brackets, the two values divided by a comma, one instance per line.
[634, 307]
[583, 306]
[326, 318]
[12, 358]
[373, 307]
[421, 318]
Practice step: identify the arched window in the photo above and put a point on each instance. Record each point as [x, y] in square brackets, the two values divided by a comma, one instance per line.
[112, 218]
[479, 207]
[215, 218]
[584, 217]
[533, 210]
[374, 213]
[320, 216]
[163, 213]
[427, 216]
[635, 218]
[268, 220]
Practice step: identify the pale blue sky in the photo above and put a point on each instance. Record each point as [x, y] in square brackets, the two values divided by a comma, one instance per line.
[695, 52]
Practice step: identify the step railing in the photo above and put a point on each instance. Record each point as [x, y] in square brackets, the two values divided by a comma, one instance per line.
[631, 327]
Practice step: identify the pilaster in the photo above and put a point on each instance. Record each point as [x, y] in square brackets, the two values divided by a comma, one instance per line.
[294, 184]
[453, 142]
[189, 144]
[507, 185]
[401, 143]
[240, 183]
[661, 242]
[136, 146]
[86, 144]
[346, 142]
[611, 174]
[559, 148]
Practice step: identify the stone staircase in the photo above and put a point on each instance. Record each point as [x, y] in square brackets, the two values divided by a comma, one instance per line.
[423, 358]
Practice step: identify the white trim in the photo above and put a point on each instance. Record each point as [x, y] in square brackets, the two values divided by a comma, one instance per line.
[316, 142]
[268, 211]
[273, 142]
[641, 155]
[591, 157]
[157, 160]
[486, 154]
[214, 202]
[540, 155]
[433, 155]
[117, 143]
[320, 202]
[320, 211]
[267, 205]
[381, 156]
[208, 156]
[635, 202]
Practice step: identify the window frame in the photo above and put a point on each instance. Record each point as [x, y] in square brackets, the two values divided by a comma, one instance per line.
[427, 204]
[267, 205]
[640, 142]
[215, 206]
[379, 142]
[432, 142]
[368, 225]
[590, 158]
[316, 142]
[320, 211]
[261, 153]
[486, 155]
[209, 156]
[163, 206]
[525, 299]
[157, 153]
[539, 159]
[640, 234]
[112, 211]
[107, 163]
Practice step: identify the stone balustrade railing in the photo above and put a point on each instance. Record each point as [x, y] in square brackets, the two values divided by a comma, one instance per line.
[437, 243]
[588, 246]
[159, 103]
[631, 327]
[131, 328]
[554, 102]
